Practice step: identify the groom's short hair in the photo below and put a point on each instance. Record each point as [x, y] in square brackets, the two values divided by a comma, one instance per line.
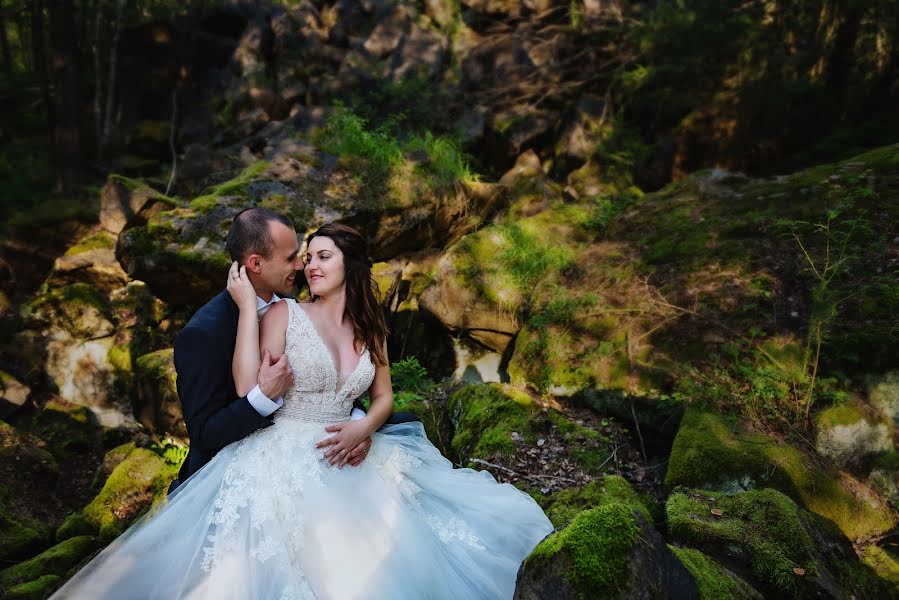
[250, 234]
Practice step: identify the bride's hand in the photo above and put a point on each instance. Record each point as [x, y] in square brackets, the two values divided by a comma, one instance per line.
[240, 288]
[344, 446]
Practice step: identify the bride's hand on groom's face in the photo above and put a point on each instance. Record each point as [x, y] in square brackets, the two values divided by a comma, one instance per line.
[240, 288]
[349, 444]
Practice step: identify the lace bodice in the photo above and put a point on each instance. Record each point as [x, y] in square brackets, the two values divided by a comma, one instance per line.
[314, 395]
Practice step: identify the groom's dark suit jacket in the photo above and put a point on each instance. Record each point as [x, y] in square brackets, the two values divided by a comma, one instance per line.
[213, 412]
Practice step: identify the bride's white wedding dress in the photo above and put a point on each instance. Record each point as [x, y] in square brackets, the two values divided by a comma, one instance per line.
[268, 518]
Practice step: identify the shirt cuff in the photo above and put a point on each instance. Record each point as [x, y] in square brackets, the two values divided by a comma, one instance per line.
[357, 414]
[263, 405]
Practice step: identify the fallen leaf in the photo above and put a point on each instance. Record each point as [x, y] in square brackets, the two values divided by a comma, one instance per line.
[717, 512]
[799, 570]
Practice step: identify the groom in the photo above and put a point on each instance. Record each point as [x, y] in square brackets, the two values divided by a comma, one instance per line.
[266, 243]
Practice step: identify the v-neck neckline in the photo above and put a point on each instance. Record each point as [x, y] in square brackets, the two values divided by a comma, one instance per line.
[338, 392]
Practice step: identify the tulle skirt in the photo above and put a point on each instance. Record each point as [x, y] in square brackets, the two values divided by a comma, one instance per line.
[268, 518]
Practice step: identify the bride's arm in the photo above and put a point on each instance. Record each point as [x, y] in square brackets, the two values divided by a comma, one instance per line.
[246, 360]
[381, 394]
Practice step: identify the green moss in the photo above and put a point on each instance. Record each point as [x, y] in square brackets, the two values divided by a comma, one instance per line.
[102, 240]
[844, 414]
[236, 186]
[74, 525]
[763, 525]
[885, 564]
[38, 589]
[55, 561]
[563, 506]
[711, 579]
[204, 203]
[137, 184]
[592, 550]
[119, 358]
[137, 482]
[160, 367]
[486, 415]
[710, 454]
[16, 537]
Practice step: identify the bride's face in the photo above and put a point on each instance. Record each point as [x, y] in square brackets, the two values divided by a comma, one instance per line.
[324, 266]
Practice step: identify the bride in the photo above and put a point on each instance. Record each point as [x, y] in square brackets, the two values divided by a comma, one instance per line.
[281, 514]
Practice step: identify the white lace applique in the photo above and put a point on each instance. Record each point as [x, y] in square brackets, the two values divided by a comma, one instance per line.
[314, 396]
[396, 464]
[454, 530]
[274, 510]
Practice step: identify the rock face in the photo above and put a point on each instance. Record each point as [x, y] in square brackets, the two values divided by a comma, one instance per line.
[883, 394]
[92, 261]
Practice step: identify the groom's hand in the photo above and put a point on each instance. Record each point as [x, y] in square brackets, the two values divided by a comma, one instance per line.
[275, 377]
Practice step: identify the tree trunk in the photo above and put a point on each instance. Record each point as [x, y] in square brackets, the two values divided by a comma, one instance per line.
[113, 61]
[39, 56]
[4, 43]
[67, 133]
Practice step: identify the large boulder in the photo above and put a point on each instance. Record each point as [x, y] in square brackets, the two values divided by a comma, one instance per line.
[610, 551]
[180, 253]
[712, 454]
[765, 537]
[138, 482]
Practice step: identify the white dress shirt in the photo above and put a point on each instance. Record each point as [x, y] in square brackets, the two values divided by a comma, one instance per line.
[259, 401]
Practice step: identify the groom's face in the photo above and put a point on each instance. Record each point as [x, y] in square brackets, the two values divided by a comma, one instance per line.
[278, 271]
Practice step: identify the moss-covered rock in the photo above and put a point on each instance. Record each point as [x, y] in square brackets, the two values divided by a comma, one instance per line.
[58, 560]
[79, 309]
[40, 588]
[849, 434]
[90, 260]
[609, 551]
[495, 421]
[486, 416]
[157, 405]
[714, 581]
[139, 481]
[712, 454]
[562, 507]
[764, 535]
[74, 525]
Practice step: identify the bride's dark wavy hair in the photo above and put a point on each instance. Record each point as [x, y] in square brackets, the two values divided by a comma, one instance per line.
[362, 304]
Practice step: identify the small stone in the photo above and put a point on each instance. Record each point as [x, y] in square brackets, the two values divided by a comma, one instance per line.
[517, 436]
[541, 441]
